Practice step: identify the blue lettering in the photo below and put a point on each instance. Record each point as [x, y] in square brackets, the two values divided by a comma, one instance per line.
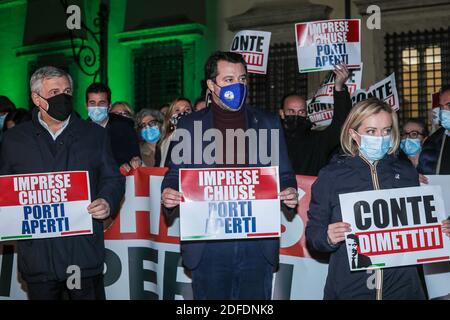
[26, 212]
[25, 227]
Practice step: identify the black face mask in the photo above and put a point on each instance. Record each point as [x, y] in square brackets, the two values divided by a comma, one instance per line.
[60, 106]
[294, 124]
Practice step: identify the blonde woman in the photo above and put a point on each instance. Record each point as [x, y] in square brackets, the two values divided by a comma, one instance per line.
[178, 108]
[369, 139]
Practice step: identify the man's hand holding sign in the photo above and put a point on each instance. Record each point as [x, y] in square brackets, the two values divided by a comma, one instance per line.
[99, 209]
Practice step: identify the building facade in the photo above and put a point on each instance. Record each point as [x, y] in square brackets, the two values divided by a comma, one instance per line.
[150, 52]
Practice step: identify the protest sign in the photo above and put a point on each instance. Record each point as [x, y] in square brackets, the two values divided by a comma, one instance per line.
[395, 227]
[254, 46]
[325, 92]
[385, 90]
[229, 203]
[320, 109]
[44, 205]
[323, 44]
[437, 275]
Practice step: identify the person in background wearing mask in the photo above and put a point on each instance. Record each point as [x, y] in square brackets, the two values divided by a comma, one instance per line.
[413, 135]
[57, 140]
[124, 140]
[310, 150]
[123, 109]
[177, 109]
[148, 126]
[232, 269]
[435, 155]
[369, 140]
[6, 106]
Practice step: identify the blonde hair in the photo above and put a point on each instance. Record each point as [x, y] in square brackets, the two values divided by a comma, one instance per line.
[123, 103]
[167, 127]
[357, 115]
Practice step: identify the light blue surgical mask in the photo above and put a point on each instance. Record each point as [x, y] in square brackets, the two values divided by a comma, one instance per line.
[444, 115]
[411, 147]
[2, 121]
[151, 134]
[374, 148]
[98, 114]
[233, 95]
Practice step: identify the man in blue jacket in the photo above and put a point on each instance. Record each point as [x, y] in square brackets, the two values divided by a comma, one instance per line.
[232, 269]
[57, 140]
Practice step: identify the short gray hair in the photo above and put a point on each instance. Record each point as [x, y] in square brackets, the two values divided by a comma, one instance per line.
[148, 112]
[47, 72]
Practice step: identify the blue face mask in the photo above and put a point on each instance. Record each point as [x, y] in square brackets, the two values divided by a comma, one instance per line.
[2, 121]
[150, 134]
[411, 147]
[445, 118]
[98, 114]
[233, 95]
[374, 148]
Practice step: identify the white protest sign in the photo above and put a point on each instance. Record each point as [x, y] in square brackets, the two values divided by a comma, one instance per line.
[395, 227]
[323, 44]
[320, 108]
[254, 46]
[324, 93]
[437, 275]
[385, 90]
[44, 205]
[229, 203]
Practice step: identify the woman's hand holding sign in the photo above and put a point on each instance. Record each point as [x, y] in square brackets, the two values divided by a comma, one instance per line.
[336, 232]
[99, 209]
[289, 196]
[446, 227]
[170, 198]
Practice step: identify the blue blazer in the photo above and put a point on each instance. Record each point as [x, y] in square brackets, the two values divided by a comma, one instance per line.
[256, 119]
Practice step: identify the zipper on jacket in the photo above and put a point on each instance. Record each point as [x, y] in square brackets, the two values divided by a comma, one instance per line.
[378, 272]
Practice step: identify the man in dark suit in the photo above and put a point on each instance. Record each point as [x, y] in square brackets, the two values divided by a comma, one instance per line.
[435, 155]
[124, 139]
[57, 140]
[232, 269]
[358, 260]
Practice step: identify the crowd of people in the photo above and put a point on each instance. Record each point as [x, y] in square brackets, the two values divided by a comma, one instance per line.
[362, 149]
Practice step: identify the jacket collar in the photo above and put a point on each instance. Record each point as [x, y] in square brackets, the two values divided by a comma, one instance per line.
[360, 162]
[39, 129]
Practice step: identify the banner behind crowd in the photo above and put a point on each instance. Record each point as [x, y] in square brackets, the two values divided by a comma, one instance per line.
[143, 258]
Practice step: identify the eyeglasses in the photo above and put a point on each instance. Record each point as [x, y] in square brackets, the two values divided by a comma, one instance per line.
[412, 134]
[152, 123]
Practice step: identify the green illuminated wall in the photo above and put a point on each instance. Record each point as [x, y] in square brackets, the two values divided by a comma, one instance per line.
[120, 64]
[198, 39]
[13, 71]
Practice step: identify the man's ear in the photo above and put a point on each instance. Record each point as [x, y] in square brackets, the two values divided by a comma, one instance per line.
[38, 101]
[281, 113]
[210, 85]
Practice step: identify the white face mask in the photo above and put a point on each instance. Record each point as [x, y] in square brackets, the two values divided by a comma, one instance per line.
[374, 148]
